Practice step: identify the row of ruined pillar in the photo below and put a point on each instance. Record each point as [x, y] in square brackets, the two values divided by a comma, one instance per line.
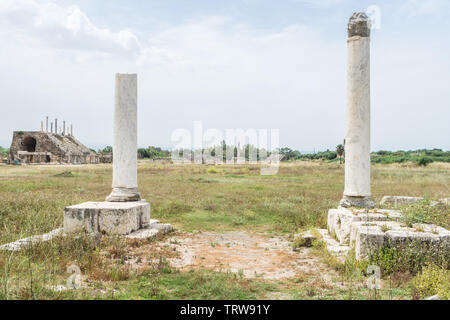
[62, 129]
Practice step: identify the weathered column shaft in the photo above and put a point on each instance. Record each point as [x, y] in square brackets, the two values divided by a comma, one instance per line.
[56, 125]
[125, 187]
[357, 142]
[64, 128]
[46, 124]
[51, 127]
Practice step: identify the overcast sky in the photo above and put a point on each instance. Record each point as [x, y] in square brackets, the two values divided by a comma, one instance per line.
[231, 64]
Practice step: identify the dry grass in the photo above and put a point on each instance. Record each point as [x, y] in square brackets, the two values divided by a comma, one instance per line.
[191, 197]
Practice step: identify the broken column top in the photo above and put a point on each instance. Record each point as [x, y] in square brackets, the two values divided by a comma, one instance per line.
[359, 25]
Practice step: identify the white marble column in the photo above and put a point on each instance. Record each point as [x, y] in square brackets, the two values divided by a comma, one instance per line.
[357, 137]
[125, 187]
[46, 124]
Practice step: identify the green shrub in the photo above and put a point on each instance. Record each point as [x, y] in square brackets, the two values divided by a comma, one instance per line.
[411, 257]
[424, 212]
[3, 152]
[214, 170]
[431, 281]
[424, 161]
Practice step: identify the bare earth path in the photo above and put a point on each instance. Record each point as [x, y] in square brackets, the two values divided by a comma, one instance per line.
[253, 255]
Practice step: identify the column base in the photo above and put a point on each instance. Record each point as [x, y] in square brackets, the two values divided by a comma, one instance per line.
[110, 218]
[359, 202]
[124, 195]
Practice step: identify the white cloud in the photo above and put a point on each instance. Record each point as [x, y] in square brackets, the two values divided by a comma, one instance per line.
[56, 61]
[64, 27]
[321, 3]
[414, 8]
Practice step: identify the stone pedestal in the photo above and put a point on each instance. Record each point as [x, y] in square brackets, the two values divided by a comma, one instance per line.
[110, 218]
[123, 213]
[366, 231]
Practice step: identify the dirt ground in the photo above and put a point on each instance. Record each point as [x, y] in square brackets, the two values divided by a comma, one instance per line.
[251, 255]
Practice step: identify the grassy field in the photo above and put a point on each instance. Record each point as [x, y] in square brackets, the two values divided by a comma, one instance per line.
[190, 197]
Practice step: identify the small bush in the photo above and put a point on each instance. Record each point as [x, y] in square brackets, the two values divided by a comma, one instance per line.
[424, 161]
[431, 281]
[214, 170]
[424, 212]
[411, 257]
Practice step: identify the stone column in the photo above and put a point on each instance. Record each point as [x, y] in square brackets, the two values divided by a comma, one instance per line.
[56, 126]
[71, 130]
[125, 187]
[51, 127]
[42, 126]
[46, 124]
[357, 137]
[64, 128]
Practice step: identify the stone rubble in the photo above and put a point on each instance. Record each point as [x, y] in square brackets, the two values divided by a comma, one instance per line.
[305, 239]
[397, 201]
[368, 230]
[153, 229]
[22, 243]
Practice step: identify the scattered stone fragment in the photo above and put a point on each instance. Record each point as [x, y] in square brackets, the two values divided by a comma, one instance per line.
[441, 203]
[65, 174]
[305, 239]
[19, 244]
[333, 246]
[397, 201]
[59, 288]
[152, 230]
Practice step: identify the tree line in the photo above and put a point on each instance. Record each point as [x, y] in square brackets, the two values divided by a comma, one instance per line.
[421, 156]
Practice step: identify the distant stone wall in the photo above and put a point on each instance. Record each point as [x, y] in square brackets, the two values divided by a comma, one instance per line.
[105, 158]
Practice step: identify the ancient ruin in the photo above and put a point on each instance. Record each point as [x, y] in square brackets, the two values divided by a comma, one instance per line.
[123, 212]
[125, 140]
[43, 147]
[357, 136]
[355, 224]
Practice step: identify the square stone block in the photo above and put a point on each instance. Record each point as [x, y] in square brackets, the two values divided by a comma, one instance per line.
[111, 218]
[398, 201]
[368, 237]
[341, 219]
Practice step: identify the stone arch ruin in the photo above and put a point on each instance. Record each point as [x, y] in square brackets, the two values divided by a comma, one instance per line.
[34, 147]
[29, 144]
